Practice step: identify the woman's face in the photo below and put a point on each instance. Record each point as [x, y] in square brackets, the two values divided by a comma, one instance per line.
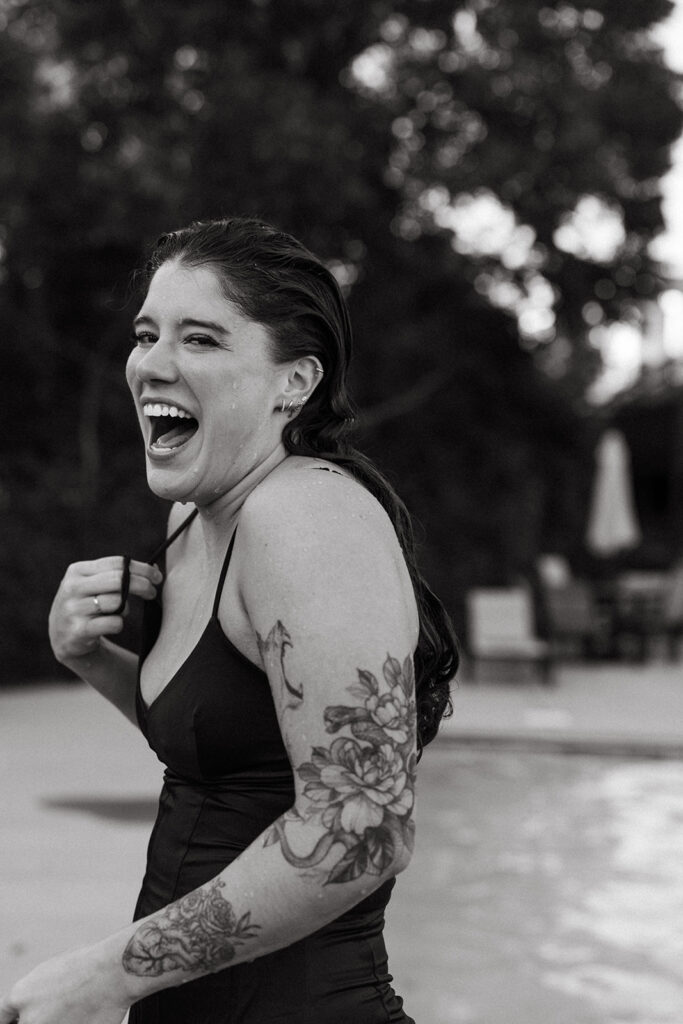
[204, 385]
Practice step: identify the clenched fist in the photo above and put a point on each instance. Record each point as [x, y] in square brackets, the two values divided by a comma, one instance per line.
[86, 606]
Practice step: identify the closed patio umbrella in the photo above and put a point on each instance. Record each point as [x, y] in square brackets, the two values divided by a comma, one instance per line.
[612, 522]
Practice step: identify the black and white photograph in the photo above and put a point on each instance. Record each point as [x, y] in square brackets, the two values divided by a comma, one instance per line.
[341, 505]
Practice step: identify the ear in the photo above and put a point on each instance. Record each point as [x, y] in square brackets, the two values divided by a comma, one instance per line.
[303, 377]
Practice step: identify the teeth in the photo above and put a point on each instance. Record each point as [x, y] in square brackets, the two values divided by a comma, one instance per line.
[156, 409]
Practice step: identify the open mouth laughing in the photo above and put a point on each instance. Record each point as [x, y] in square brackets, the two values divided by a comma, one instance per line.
[171, 427]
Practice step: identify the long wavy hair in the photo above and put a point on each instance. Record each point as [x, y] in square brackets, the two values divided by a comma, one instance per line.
[275, 281]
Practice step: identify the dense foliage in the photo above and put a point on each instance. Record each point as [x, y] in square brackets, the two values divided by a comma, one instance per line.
[380, 133]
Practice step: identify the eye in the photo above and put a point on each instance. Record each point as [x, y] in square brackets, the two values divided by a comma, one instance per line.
[142, 338]
[200, 341]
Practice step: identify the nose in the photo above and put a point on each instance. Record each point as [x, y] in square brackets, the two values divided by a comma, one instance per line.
[156, 363]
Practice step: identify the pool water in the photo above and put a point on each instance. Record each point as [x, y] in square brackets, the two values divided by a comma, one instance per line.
[544, 888]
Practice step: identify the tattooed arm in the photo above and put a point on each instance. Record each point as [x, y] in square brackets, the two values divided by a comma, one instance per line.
[333, 619]
[334, 626]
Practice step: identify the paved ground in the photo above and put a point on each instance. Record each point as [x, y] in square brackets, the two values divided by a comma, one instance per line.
[617, 708]
[546, 889]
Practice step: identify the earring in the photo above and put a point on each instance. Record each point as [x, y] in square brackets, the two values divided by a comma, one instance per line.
[292, 404]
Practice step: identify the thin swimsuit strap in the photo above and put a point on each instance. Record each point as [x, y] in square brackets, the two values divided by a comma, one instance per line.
[224, 573]
[169, 540]
[226, 561]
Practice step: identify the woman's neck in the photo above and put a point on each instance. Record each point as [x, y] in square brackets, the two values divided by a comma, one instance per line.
[219, 518]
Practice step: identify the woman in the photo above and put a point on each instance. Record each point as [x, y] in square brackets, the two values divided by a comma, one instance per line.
[278, 686]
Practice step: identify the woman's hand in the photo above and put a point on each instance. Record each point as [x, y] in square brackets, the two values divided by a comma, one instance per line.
[75, 988]
[89, 594]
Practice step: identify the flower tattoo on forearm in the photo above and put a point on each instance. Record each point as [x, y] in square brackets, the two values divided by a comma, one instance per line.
[361, 787]
[199, 932]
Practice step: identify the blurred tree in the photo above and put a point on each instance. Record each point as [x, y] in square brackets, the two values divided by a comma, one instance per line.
[451, 161]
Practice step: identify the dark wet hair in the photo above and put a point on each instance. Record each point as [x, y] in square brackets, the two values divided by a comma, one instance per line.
[275, 281]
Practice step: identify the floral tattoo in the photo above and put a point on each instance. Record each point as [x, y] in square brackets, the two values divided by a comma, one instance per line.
[198, 932]
[361, 787]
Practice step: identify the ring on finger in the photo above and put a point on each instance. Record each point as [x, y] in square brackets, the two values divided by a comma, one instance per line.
[97, 605]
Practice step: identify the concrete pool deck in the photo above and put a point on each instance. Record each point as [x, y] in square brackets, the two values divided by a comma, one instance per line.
[613, 708]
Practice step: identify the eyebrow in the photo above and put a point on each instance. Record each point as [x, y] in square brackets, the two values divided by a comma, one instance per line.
[210, 325]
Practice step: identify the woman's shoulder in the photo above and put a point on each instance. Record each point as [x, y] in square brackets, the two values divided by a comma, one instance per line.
[319, 540]
[308, 518]
[313, 495]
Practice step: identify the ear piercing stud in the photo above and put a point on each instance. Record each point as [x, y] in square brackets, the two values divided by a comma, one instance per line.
[294, 403]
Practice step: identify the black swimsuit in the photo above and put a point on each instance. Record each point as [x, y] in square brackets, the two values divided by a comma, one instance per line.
[227, 778]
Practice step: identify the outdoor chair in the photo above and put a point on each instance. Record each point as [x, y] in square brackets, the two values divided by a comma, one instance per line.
[673, 610]
[501, 629]
[644, 609]
[573, 618]
[650, 605]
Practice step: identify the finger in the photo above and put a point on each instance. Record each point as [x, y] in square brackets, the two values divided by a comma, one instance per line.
[141, 586]
[113, 563]
[92, 607]
[97, 565]
[149, 571]
[102, 625]
[110, 583]
[103, 583]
